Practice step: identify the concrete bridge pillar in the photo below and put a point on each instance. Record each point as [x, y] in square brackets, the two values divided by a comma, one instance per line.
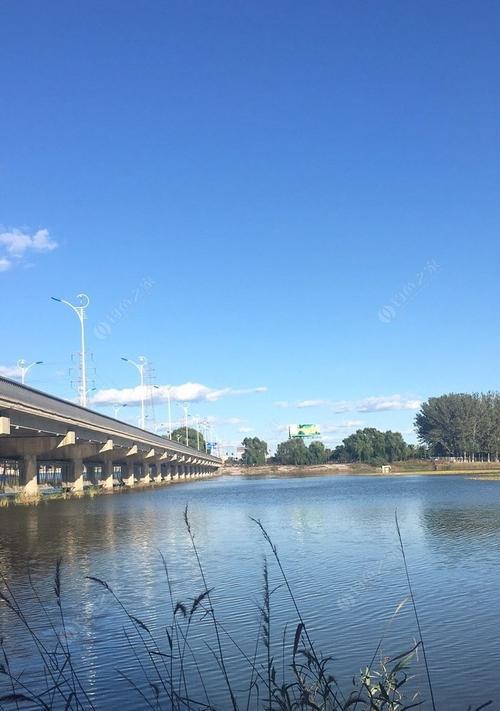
[128, 473]
[107, 474]
[145, 476]
[168, 472]
[157, 473]
[28, 473]
[91, 473]
[74, 475]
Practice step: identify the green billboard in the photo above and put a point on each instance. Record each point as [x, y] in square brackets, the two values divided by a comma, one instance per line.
[303, 431]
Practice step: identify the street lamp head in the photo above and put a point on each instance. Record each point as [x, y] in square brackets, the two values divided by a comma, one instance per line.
[54, 298]
[38, 362]
[84, 300]
[125, 359]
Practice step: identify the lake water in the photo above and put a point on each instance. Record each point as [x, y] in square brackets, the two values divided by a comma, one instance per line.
[337, 540]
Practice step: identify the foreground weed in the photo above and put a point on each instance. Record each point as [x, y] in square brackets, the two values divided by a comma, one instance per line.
[168, 674]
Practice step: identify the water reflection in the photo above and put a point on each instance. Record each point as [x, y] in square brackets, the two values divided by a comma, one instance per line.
[337, 539]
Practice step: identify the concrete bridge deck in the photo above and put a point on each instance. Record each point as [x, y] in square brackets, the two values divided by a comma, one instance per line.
[87, 446]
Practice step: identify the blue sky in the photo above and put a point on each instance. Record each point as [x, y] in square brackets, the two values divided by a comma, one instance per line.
[292, 205]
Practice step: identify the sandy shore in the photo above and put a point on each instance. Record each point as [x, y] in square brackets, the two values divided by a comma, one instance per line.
[479, 470]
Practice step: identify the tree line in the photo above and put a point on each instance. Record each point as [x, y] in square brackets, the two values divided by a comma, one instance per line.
[371, 446]
[292, 451]
[461, 425]
[367, 445]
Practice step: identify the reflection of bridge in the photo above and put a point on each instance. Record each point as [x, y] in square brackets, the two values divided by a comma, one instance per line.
[39, 432]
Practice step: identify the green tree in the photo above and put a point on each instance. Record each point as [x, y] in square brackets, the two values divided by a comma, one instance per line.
[372, 446]
[340, 454]
[255, 452]
[317, 453]
[195, 438]
[293, 451]
[461, 425]
[396, 448]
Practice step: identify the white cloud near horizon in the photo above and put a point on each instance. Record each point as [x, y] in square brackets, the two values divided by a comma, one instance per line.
[16, 244]
[369, 404]
[186, 392]
[330, 428]
[10, 371]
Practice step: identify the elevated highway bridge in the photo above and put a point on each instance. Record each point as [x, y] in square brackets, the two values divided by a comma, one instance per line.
[40, 432]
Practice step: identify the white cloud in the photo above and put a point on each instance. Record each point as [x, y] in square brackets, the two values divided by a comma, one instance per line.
[245, 430]
[281, 427]
[328, 428]
[187, 392]
[368, 404]
[311, 403]
[16, 244]
[377, 404]
[10, 371]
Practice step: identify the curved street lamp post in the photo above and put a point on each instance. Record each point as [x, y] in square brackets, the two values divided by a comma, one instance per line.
[140, 367]
[80, 312]
[117, 407]
[157, 387]
[25, 367]
[185, 408]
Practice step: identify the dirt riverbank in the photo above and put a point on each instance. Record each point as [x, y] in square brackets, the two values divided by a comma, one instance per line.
[477, 470]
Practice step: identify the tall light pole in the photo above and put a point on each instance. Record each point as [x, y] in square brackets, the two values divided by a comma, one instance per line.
[25, 367]
[185, 408]
[80, 312]
[196, 421]
[117, 407]
[140, 367]
[204, 424]
[157, 387]
[169, 413]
